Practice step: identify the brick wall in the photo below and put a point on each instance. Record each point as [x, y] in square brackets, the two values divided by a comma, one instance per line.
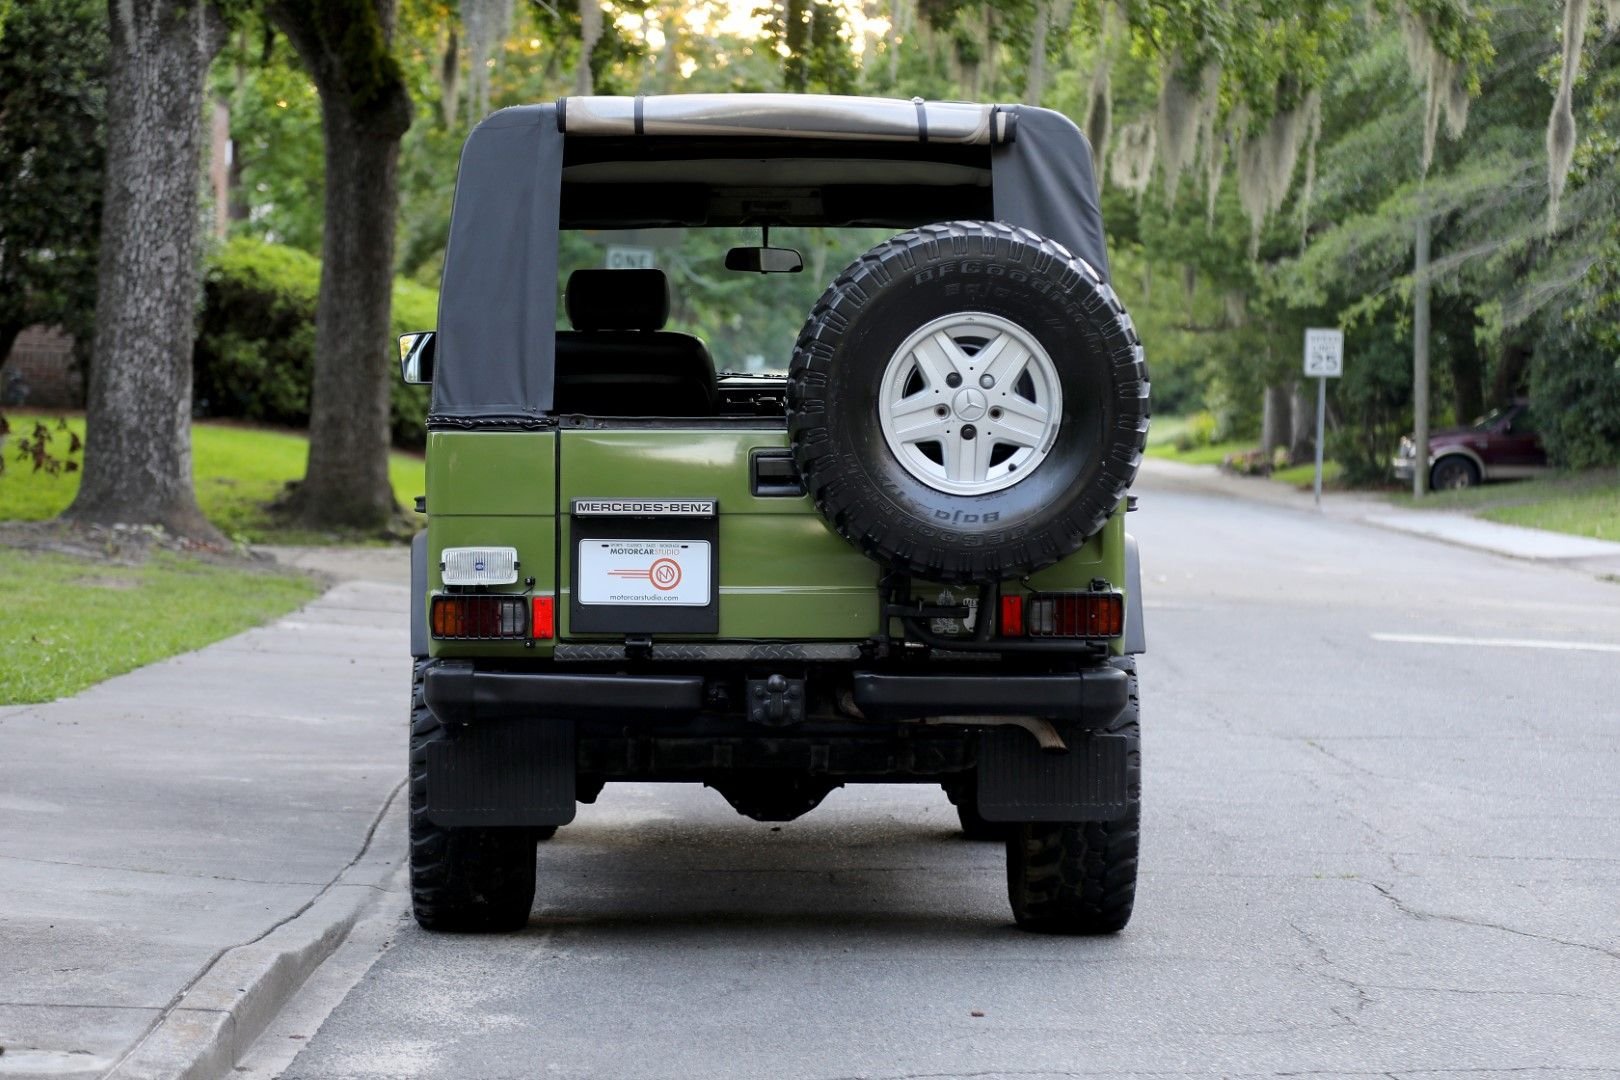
[40, 371]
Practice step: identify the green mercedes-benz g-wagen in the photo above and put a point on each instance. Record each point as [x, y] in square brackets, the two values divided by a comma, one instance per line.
[891, 551]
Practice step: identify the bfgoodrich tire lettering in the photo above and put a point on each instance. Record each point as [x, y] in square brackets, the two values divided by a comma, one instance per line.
[835, 389]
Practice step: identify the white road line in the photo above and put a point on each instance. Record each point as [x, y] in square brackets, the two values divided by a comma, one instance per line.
[1498, 643]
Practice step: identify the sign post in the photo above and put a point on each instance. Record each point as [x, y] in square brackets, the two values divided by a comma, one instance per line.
[1324, 360]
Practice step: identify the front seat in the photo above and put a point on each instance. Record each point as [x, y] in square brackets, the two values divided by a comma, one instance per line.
[619, 361]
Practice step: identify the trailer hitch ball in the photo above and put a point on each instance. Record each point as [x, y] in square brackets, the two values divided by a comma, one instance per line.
[776, 701]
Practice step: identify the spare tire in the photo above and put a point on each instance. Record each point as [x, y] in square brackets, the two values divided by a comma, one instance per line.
[968, 402]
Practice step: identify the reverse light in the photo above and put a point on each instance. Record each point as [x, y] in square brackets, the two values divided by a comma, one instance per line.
[478, 565]
[1075, 615]
[480, 618]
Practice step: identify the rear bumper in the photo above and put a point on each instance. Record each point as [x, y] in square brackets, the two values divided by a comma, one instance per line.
[459, 694]
[1092, 698]
[524, 745]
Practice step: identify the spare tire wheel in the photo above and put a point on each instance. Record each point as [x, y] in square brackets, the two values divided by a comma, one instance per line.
[968, 402]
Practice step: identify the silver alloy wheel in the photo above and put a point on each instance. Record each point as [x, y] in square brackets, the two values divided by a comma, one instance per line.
[970, 403]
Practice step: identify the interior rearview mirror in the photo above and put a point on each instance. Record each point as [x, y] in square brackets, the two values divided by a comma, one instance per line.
[764, 260]
[416, 352]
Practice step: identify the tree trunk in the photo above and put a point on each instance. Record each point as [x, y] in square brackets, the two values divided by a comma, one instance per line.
[796, 36]
[219, 165]
[1275, 421]
[450, 80]
[346, 482]
[590, 31]
[1302, 441]
[1508, 380]
[669, 57]
[1467, 379]
[237, 202]
[1035, 76]
[8, 338]
[897, 31]
[988, 65]
[137, 462]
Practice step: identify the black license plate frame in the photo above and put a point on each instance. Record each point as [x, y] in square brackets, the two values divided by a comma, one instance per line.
[644, 619]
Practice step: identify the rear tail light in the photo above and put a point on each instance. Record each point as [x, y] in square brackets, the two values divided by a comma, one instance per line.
[1074, 615]
[479, 618]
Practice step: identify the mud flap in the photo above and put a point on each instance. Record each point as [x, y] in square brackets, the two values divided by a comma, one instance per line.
[511, 772]
[1018, 781]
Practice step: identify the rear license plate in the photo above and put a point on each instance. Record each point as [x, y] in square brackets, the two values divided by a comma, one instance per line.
[643, 573]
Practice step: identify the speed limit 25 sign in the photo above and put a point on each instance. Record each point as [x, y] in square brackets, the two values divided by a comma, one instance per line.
[1324, 353]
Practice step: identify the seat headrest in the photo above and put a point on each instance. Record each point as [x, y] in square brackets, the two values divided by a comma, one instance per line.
[617, 299]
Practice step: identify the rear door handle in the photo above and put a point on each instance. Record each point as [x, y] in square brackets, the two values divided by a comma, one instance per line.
[773, 474]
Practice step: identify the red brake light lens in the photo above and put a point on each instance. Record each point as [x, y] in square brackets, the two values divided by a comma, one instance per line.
[479, 618]
[1075, 615]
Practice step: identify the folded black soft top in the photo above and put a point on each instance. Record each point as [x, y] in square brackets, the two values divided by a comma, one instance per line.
[498, 298]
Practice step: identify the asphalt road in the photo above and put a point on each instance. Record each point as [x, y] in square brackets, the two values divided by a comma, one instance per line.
[1362, 855]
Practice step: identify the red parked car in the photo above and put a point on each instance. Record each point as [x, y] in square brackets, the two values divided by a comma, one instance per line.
[1501, 445]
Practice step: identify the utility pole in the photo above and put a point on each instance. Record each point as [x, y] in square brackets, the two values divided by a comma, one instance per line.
[1420, 361]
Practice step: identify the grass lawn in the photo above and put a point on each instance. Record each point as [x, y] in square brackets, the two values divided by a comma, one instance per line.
[1163, 430]
[1213, 454]
[1585, 504]
[237, 470]
[1304, 476]
[67, 622]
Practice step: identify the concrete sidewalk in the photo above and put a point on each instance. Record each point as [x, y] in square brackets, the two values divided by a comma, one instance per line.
[180, 845]
[1451, 527]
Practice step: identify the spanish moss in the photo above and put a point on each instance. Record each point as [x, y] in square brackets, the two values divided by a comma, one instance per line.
[1265, 162]
[1131, 163]
[1100, 97]
[1212, 142]
[1185, 110]
[1445, 93]
[1313, 133]
[1561, 124]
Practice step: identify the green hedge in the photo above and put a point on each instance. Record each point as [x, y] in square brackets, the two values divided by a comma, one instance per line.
[256, 345]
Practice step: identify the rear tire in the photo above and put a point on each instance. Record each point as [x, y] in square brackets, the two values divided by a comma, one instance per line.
[1080, 877]
[467, 879]
[974, 827]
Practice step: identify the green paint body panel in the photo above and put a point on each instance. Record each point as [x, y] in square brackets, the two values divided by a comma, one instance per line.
[494, 488]
[783, 574]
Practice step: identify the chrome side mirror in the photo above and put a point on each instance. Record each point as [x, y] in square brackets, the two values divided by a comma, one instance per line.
[416, 353]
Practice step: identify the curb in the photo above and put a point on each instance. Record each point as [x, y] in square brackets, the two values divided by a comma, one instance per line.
[213, 1021]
